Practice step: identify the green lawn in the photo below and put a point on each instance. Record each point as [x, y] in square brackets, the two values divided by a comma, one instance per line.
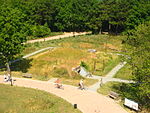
[124, 73]
[109, 86]
[25, 100]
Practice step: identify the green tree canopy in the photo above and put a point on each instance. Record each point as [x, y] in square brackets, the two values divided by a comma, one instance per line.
[75, 15]
[138, 47]
[13, 33]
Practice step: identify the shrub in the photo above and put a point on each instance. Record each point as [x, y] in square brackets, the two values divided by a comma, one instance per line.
[40, 31]
[61, 72]
[83, 64]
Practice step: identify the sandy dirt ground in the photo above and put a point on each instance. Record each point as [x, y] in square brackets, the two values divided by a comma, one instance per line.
[66, 34]
[87, 101]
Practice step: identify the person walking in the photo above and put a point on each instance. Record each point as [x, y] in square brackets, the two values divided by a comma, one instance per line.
[81, 85]
[58, 84]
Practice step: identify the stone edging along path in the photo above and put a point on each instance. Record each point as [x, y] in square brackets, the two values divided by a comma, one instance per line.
[87, 101]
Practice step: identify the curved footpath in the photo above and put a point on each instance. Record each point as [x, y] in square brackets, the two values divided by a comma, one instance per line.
[66, 34]
[87, 101]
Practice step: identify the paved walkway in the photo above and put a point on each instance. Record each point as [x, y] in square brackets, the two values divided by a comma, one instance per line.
[69, 34]
[34, 53]
[87, 101]
[107, 78]
[115, 69]
[96, 86]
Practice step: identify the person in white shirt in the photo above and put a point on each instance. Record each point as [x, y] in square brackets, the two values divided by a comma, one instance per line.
[81, 85]
[5, 78]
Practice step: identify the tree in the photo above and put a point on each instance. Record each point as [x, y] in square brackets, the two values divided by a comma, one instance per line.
[139, 12]
[13, 33]
[41, 11]
[121, 15]
[137, 45]
[114, 14]
[76, 15]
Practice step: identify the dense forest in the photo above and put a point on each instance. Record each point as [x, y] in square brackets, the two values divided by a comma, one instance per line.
[22, 18]
[43, 16]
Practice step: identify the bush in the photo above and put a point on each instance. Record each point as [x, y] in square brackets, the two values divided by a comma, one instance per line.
[40, 31]
[83, 64]
[61, 72]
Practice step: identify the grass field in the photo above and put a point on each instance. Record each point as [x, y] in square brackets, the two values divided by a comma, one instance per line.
[99, 42]
[73, 50]
[60, 61]
[124, 73]
[70, 52]
[109, 86]
[25, 100]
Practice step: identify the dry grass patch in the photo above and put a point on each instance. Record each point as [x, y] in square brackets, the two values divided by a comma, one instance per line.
[58, 62]
[70, 52]
[86, 45]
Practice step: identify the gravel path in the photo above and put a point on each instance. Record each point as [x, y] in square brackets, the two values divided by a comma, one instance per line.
[69, 34]
[87, 101]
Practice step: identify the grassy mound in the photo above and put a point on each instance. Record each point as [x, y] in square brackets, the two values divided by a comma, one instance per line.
[25, 100]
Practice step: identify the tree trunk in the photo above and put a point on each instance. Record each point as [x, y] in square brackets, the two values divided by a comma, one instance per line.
[9, 72]
[94, 66]
[100, 31]
[109, 28]
[116, 32]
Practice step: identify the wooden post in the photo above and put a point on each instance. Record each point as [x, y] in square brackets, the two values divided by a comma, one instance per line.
[94, 67]
[103, 65]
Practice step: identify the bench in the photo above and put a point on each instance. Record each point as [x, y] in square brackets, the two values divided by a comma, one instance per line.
[27, 76]
[113, 95]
